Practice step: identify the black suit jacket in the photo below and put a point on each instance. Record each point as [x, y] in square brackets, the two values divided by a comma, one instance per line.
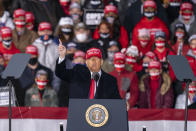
[80, 79]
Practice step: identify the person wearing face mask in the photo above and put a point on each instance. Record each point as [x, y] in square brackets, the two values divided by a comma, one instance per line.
[75, 12]
[162, 49]
[94, 4]
[108, 65]
[191, 97]
[64, 30]
[82, 37]
[133, 62]
[146, 59]
[149, 21]
[135, 12]
[47, 48]
[187, 17]
[30, 18]
[22, 37]
[105, 37]
[180, 40]
[28, 76]
[145, 43]
[192, 44]
[126, 80]
[118, 31]
[155, 88]
[7, 47]
[40, 94]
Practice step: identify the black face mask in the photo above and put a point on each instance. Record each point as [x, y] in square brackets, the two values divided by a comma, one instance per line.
[33, 61]
[149, 15]
[70, 56]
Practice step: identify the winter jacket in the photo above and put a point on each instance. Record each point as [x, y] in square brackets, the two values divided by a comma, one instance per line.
[123, 38]
[26, 39]
[127, 81]
[190, 28]
[5, 20]
[49, 98]
[184, 49]
[152, 25]
[8, 53]
[164, 96]
[192, 62]
[135, 12]
[47, 53]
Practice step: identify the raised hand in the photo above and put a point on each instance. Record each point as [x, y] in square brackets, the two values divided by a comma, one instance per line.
[62, 50]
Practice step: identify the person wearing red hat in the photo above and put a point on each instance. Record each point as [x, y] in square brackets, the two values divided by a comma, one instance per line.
[191, 97]
[87, 82]
[187, 17]
[149, 21]
[30, 18]
[47, 48]
[22, 37]
[155, 88]
[7, 47]
[119, 33]
[79, 57]
[126, 80]
[146, 59]
[27, 78]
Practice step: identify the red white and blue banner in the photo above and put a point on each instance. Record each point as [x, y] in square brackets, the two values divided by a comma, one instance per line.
[48, 119]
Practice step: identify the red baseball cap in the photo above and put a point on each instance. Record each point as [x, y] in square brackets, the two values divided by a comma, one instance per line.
[6, 32]
[29, 17]
[31, 49]
[18, 13]
[186, 6]
[154, 64]
[110, 8]
[44, 26]
[119, 56]
[150, 3]
[93, 52]
[79, 54]
[151, 55]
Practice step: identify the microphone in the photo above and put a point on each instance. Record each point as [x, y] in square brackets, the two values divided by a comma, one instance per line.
[96, 76]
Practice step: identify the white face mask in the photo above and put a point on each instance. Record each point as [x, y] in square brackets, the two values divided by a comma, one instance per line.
[81, 37]
[7, 43]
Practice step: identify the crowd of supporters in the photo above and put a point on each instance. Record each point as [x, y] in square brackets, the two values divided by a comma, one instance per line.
[135, 37]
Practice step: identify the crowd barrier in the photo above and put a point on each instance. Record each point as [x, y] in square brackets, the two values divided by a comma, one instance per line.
[48, 119]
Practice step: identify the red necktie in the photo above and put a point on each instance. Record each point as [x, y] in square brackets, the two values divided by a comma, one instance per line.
[92, 89]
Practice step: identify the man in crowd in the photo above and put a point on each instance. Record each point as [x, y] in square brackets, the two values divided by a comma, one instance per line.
[40, 94]
[7, 47]
[127, 80]
[22, 37]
